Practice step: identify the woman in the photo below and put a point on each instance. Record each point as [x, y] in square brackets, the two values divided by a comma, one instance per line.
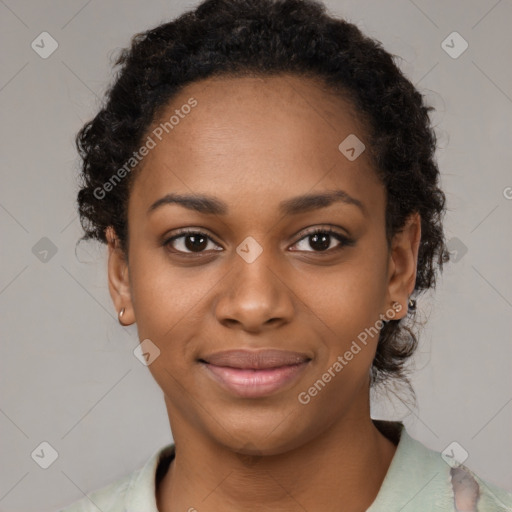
[264, 177]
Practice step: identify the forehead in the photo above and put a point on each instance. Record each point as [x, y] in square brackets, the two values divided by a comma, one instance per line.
[253, 136]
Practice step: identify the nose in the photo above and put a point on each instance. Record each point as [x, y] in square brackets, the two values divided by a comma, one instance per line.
[254, 296]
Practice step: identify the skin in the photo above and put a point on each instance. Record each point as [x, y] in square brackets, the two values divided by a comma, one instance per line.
[252, 143]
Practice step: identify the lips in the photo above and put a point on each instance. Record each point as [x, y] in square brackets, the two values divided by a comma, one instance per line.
[260, 360]
[251, 374]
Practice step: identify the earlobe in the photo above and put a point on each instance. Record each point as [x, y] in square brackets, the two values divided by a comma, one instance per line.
[404, 262]
[118, 279]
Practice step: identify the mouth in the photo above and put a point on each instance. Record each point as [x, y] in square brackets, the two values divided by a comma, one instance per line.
[252, 374]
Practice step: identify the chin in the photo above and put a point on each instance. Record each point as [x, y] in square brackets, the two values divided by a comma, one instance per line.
[263, 433]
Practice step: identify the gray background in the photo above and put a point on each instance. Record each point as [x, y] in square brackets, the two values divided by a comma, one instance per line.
[67, 371]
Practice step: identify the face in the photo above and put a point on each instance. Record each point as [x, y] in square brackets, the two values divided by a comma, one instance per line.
[250, 263]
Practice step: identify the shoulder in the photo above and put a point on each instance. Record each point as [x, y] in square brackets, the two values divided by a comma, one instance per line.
[136, 490]
[420, 478]
[463, 488]
[471, 490]
[109, 498]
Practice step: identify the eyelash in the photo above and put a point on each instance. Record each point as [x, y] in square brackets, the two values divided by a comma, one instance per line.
[344, 240]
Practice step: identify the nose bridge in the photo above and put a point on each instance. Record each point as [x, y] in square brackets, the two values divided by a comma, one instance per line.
[253, 271]
[253, 292]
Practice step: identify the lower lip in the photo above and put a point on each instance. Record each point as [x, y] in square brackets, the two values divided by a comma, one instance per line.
[254, 383]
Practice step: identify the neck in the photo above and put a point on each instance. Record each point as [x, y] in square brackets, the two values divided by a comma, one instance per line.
[345, 465]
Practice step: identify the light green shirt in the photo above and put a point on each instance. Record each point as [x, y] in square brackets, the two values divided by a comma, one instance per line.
[418, 480]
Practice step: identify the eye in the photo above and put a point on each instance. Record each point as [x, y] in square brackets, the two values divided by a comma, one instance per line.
[189, 242]
[321, 239]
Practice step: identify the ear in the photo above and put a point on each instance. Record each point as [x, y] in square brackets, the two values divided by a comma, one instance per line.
[118, 277]
[403, 262]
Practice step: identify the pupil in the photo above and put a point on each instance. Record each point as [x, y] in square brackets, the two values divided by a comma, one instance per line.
[318, 241]
[322, 241]
[198, 242]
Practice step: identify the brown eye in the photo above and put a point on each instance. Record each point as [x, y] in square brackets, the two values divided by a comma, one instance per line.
[321, 240]
[188, 242]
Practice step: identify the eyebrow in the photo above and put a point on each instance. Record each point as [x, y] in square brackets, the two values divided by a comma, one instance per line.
[296, 205]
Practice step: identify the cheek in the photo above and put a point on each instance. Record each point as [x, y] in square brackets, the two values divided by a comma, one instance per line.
[350, 297]
[165, 296]
[169, 305]
[346, 308]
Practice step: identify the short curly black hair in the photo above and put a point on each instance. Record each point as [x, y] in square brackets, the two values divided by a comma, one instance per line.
[264, 38]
